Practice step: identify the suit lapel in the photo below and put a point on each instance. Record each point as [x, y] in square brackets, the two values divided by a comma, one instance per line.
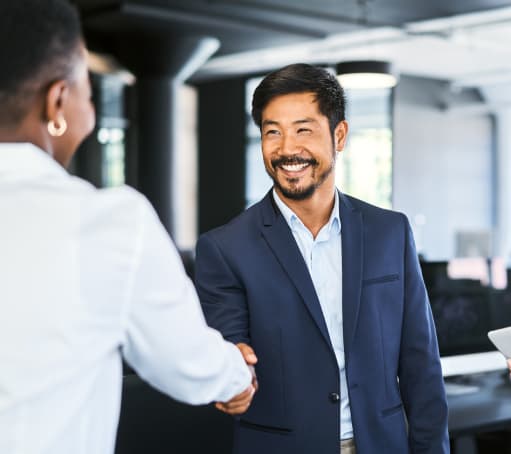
[280, 239]
[352, 265]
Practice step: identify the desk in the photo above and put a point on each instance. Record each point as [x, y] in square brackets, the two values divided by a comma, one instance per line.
[486, 410]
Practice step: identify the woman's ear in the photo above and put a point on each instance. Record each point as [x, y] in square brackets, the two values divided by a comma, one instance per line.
[56, 98]
[341, 133]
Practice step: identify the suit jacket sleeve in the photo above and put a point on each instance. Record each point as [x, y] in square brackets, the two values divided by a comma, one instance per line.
[420, 374]
[221, 293]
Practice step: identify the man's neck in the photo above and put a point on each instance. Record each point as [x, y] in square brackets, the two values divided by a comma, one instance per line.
[315, 211]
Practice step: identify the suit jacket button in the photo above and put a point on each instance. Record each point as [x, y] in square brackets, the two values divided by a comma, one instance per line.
[334, 397]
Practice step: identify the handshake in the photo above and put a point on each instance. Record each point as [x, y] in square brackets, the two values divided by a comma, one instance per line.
[239, 404]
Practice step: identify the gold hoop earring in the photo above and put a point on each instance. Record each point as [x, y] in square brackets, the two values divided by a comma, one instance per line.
[57, 129]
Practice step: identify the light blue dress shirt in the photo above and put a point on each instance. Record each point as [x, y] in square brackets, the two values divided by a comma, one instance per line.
[323, 256]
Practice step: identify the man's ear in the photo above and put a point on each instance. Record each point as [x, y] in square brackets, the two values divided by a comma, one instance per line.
[56, 97]
[340, 135]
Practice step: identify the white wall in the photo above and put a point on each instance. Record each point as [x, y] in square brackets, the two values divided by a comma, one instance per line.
[498, 97]
[442, 166]
[503, 184]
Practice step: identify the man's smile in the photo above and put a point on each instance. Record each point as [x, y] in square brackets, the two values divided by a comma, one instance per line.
[295, 167]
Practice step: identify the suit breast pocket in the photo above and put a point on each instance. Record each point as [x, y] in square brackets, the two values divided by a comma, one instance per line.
[380, 279]
[384, 293]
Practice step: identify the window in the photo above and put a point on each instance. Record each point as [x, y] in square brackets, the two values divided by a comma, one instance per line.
[364, 168]
[112, 162]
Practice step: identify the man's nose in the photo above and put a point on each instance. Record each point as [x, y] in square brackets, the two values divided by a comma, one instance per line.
[289, 145]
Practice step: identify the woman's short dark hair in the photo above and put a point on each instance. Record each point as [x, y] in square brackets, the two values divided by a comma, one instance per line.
[38, 40]
[302, 78]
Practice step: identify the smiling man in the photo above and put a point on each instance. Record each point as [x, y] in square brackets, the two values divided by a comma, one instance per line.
[328, 292]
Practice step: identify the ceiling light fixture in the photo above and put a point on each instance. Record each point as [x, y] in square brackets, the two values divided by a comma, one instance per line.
[366, 74]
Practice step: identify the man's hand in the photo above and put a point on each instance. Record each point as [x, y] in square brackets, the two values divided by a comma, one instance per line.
[239, 404]
[251, 359]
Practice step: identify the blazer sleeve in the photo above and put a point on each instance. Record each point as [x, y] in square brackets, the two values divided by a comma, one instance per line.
[420, 375]
[220, 291]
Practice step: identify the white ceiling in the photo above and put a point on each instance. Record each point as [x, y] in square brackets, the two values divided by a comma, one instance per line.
[470, 50]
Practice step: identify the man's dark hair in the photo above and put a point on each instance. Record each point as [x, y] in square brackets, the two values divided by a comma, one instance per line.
[302, 78]
[38, 40]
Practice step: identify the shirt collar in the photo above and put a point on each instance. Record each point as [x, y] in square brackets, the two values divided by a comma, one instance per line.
[26, 158]
[334, 222]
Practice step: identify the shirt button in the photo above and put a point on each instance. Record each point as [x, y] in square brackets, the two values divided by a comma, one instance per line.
[334, 397]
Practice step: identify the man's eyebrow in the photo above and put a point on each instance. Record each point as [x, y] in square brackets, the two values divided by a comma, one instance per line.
[270, 123]
[305, 120]
[296, 122]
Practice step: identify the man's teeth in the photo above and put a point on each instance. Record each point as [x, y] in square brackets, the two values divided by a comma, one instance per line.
[294, 167]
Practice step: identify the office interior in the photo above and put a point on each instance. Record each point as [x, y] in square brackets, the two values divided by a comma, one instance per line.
[172, 82]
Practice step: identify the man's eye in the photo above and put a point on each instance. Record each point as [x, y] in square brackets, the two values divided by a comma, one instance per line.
[271, 132]
[304, 131]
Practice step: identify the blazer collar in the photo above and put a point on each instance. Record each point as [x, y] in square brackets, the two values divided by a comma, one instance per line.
[276, 232]
[352, 240]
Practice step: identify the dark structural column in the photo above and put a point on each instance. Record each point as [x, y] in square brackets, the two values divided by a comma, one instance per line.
[155, 125]
[161, 68]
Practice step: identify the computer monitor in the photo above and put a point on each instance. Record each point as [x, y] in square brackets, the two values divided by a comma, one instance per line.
[464, 310]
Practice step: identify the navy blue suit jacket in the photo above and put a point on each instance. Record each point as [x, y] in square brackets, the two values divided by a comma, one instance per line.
[255, 288]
